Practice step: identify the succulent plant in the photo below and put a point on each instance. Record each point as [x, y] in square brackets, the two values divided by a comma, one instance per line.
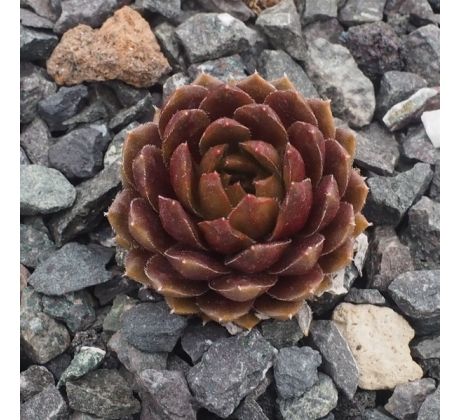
[239, 201]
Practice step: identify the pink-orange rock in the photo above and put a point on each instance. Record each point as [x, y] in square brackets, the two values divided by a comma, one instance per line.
[124, 48]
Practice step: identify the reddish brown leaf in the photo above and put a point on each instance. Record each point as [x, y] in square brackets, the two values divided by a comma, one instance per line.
[248, 321]
[207, 81]
[338, 259]
[221, 309]
[118, 215]
[347, 139]
[276, 309]
[283, 83]
[361, 224]
[323, 114]
[264, 153]
[214, 202]
[212, 158]
[235, 193]
[356, 192]
[240, 287]
[338, 163]
[293, 166]
[135, 262]
[237, 163]
[256, 87]
[269, 187]
[182, 306]
[340, 229]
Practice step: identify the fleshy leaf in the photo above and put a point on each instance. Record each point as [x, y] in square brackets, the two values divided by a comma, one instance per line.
[323, 114]
[293, 166]
[283, 83]
[340, 229]
[235, 193]
[264, 153]
[221, 309]
[135, 262]
[182, 306]
[361, 224]
[207, 81]
[269, 187]
[256, 87]
[241, 288]
[356, 192]
[240, 164]
[248, 321]
[223, 131]
[347, 139]
[212, 158]
[339, 258]
[338, 163]
[275, 308]
[118, 215]
[214, 202]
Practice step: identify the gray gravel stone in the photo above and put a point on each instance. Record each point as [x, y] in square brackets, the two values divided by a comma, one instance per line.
[355, 408]
[115, 148]
[356, 12]
[390, 197]
[435, 187]
[316, 403]
[59, 364]
[23, 159]
[34, 380]
[375, 414]
[329, 29]
[338, 361]
[419, 11]
[169, 9]
[430, 408]
[35, 246]
[86, 360]
[121, 303]
[118, 284]
[45, 8]
[249, 409]
[151, 327]
[295, 370]
[406, 400]
[226, 68]
[235, 8]
[318, 10]
[170, 45]
[138, 111]
[46, 405]
[229, 371]
[421, 52]
[44, 190]
[274, 64]
[103, 393]
[416, 146]
[126, 94]
[96, 112]
[371, 296]
[172, 83]
[281, 333]
[36, 45]
[335, 75]
[32, 20]
[73, 267]
[36, 140]
[427, 353]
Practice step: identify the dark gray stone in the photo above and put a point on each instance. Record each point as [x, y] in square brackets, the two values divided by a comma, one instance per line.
[338, 361]
[46, 405]
[370, 296]
[58, 365]
[36, 45]
[281, 25]
[170, 9]
[427, 353]
[176, 363]
[295, 370]
[32, 20]
[117, 285]
[115, 148]
[281, 333]
[126, 94]
[356, 12]
[86, 360]
[421, 52]
[92, 199]
[419, 11]
[229, 371]
[44, 190]
[356, 407]
[48, 9]
[351, 92]
[36, 140]
[23, 159]
[249, 409]
[170, 45]
[225, 69]
[318, 10]
[172, 83]
[103, 393]
[417, 294]
[235, 8]
[34, 380]
[329, 29]
[407, 399]
[430, 408]
[34, 86]
[274, 64]
[121, 303]
[35, 246]
[62, 105]
[390, 197]
[435, 187]
[143, 108]
[71, 268]
[316, 403]
[416, 146]
[165, 395]
[401, 24]
[151, 327]
[197, 338]
[87, 338]
[375, 414]
[96, 112]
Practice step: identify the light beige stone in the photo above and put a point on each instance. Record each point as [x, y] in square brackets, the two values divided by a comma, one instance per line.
[124, 48]
[379, 340]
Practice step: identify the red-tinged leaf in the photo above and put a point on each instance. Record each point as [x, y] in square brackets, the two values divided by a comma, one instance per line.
[294, 210]
[235, 193]
[214, 202]
[356, 192]
[295, 288]
[293, 166]
[240, 164]
[118, 215]
[195, 265]
[223, 100]
[361, 224]
[269, 187]
[347, 140]
[263, 123]
[182, 306]
[184, 126]
[277, 309]
[323, 114]
[283, 83]
[150, 175]
[254, 216]
[309, 142]
[221, 237]
[168, 282]
[145, 227]
[221, 309]
[258, 257]
[248, 321]
[256, 87]
[340, 229]
[177, 222]
[326, 203]
[290, 107]
[223, 131]
[207, 81]
[120, 241]
[212, 158]
[184, 97]
[339, 258]
[338, 163]
[241, 288]
[135, 262]
[301, 256]
[135, 140]
[264, 153]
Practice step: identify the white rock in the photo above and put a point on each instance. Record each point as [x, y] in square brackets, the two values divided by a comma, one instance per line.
[379, 340]
[430, 120]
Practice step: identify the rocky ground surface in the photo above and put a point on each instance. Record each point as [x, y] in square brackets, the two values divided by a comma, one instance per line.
[94, 344]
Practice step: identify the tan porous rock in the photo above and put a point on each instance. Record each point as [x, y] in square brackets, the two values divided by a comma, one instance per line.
[379, 340]
[124, 48]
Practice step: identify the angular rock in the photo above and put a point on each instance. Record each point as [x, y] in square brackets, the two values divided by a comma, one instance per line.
[375, 414]
[371, 296]
[124, 48]
[121, 304]
[416, 146]
[316, 403]
[44, 190]
[318, 10]
[329, 29]
[143, 108]
[103, 393]
[59, 364]
[427, 353]
[172, 83]
[434, 191]
[46, 405]
[170, 45]
[96, 112]
[274, 64]
[165, 395]
[32, 20]
[430, 408]
[352, 94]
[431, 122]
[356, 12]
[48, 9]
[126, 94]
[379, 340]
[407, 399]
[71, 268]
[390, 197]
[34, 380]
[421, 52]
[229, 371]
[226, 68]
[338, 360]
[281, 333]
[36, 45]
[115, 148]
[417, 294]
[35, 246]
[169, 9]
[86, 360]
[355, 408]
[281, 25]
[250, 409]
[235, 8]
[151, 327]
[118, 284]
[419, 11]
[36, 140]
[295, 370]
[23, 159]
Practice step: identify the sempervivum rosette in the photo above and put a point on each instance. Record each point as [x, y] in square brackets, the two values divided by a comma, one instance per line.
[239, 201]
